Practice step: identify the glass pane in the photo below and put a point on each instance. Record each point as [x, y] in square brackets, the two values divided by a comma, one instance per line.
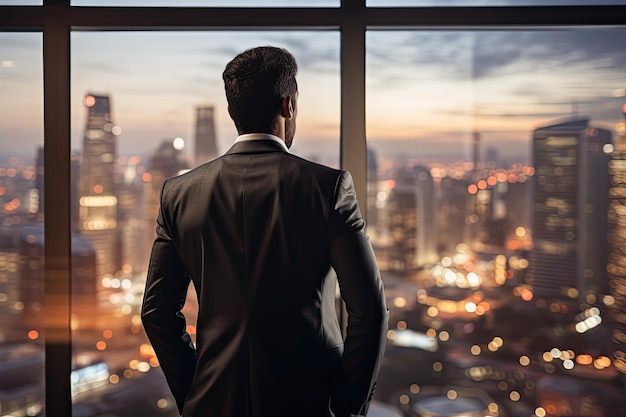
[21, 225]
[209, 3]
[21, 2]
[146, 106]
[467, 3]
[495, 159]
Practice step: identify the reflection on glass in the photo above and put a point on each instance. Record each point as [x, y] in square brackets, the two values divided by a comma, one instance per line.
[21, 225]
[209, 3]
[496, 168]
[146, 107]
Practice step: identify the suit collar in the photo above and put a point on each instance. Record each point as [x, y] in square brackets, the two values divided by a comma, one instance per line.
[261, 136]
[256, 146]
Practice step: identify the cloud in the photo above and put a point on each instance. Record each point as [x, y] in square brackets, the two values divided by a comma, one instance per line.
[21, 41]
[483, 54]
[497, 52]
[314, 50]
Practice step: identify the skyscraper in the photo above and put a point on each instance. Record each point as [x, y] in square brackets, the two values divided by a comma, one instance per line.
[372, 189]
[167, 161]
[569, 226]
[616, 268]
[408, 220]
[205, 140]
[97, 198]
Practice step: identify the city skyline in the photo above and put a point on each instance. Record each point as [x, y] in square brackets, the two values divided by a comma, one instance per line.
[463, 312]
[430, 89]
[472, 185]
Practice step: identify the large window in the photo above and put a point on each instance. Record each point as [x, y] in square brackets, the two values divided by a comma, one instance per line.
[486, 147]
[21, 225]
[147, 106]
[488, 194]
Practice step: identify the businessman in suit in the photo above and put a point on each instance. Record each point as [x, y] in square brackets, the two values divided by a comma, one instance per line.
[257, 231]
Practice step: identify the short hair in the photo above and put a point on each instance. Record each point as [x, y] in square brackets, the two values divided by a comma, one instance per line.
[256, 81]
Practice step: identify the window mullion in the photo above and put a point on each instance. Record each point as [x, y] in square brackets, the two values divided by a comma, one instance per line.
[57, 246]
[353, 147]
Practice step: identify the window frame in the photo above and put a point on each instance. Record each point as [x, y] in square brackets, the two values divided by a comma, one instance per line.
[56, 19]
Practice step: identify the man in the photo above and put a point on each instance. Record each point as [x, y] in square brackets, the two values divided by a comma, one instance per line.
[258, 231]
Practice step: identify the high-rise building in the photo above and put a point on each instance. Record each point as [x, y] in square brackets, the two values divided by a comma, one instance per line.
[408, 220]
[453, 222]
[167, 161]
[570, 197]
[205, 140]
[97, 195]
[39, 173]
[616, 268]
[132, 211]
[372, 190]
[476, 149]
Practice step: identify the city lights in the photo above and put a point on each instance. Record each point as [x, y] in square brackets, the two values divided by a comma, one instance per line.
[399, 302]
[468, 249]
[178, 143]
[90, 101]
[98, 201]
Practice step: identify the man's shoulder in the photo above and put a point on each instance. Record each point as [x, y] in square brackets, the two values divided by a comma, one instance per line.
[192, 175]
[313, 166]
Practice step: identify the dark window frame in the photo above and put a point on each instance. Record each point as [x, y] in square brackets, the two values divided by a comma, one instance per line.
[56, 19]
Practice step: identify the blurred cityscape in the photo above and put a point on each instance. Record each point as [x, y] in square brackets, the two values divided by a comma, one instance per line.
[505, 279]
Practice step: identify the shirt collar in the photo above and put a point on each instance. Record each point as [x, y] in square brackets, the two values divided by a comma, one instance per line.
[261, 136]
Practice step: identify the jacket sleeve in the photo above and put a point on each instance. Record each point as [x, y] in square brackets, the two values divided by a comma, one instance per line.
[164, 297]
[361, 288]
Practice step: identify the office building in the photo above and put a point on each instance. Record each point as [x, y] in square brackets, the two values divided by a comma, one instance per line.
[205, 139]
[408, 221]
[616, 267]
[570, 197]
[97, 200]
[372, 191]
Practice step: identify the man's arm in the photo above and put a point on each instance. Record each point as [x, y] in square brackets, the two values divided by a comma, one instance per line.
[163, 300]
[361, 288]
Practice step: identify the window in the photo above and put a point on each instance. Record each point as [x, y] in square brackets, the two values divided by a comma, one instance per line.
[506, 76]
[482, 148]
[146, 107]
[22, 327]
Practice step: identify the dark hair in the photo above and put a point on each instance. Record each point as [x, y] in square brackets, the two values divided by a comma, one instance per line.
[256, 81]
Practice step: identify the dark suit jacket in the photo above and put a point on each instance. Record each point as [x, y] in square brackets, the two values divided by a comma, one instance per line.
[257, 231]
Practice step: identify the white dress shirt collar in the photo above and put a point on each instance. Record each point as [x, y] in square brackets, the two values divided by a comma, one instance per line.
[261, 136]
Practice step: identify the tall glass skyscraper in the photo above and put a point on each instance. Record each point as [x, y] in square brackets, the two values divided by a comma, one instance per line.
[569, 254]
[616, 268]
[97, 200]
[205, 140]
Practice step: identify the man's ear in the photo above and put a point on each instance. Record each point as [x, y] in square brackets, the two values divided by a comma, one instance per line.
[286, 108]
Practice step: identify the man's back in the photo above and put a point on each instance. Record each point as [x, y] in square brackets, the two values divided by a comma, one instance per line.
[258, 231]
